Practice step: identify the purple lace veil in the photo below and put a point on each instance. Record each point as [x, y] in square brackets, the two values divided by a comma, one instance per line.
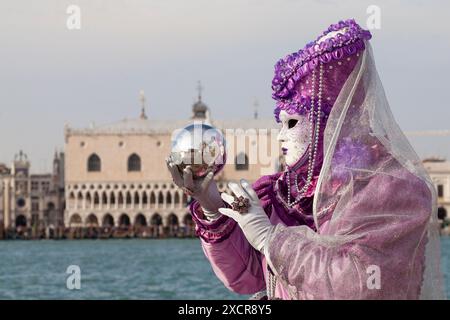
[362, 146]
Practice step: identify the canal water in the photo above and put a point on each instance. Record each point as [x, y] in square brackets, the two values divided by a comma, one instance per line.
[117, 269]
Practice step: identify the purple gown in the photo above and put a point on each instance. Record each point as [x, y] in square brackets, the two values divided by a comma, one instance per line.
[299, 256]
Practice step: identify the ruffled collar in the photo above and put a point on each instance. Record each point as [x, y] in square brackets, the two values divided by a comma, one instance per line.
[302, 212]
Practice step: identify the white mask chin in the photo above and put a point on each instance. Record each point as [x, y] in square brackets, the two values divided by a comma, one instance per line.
[294, 136]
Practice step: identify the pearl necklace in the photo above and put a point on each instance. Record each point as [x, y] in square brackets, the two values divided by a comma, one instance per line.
[314, 134]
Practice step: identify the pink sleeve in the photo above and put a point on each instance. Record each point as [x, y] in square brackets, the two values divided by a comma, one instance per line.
[234, 261]
[371, 249]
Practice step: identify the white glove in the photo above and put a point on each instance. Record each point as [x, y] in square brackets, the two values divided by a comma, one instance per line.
[203, 190]
[255, 224]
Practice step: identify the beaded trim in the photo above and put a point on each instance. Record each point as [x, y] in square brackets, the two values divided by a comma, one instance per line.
[314, 122]
[272, 284]
[261, 295]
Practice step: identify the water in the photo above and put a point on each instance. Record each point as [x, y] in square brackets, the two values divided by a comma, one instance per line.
[110, 269]
[117, 269]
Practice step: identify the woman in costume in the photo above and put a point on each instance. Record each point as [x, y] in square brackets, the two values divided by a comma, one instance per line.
[353, 216]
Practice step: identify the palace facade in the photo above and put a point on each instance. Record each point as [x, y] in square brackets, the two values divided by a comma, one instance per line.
[116, 175]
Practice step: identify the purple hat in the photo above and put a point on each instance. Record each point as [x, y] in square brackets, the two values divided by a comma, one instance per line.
[336, 50]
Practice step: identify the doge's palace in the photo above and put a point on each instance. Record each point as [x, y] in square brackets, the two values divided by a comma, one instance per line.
[116, 175]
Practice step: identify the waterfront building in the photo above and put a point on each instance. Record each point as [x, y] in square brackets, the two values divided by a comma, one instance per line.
[116, 175]
[31, 203]
[439, 171]
[112, 181]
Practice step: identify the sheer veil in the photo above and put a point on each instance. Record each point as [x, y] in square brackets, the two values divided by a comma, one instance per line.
[364, 146]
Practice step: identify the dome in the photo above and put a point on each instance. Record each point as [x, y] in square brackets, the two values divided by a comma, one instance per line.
[199, 106]
[199, 109]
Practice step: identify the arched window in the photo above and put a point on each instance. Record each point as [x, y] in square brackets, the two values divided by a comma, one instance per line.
[140, 220]
[21, 221]
[172, 220]
[91, 221]
[241, 161]
[104, 198]
[124, 220]
[96, 198]
[442, 213]
[152, 198]
[75, 221]
[156, 220]
[108, 221]
[144, 198]
[88, 199]
[134, 162]
[80, 199]
[94, 163]
[440, 189]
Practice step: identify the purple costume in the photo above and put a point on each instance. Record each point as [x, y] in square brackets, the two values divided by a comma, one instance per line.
[365, 227]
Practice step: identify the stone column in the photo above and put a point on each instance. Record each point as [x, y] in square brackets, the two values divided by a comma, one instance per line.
[84, 201]
[108, 200]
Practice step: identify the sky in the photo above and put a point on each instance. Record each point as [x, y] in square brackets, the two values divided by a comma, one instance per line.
[51, 76]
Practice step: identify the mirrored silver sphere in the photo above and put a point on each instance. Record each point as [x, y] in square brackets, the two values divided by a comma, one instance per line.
[200, 146]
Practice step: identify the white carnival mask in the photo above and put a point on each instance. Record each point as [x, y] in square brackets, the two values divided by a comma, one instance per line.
[294, 136]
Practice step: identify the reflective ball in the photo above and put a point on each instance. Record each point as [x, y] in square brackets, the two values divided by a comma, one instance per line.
[200, 146]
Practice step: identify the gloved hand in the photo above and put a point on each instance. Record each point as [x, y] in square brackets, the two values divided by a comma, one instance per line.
[255, 224]
[203, 190]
